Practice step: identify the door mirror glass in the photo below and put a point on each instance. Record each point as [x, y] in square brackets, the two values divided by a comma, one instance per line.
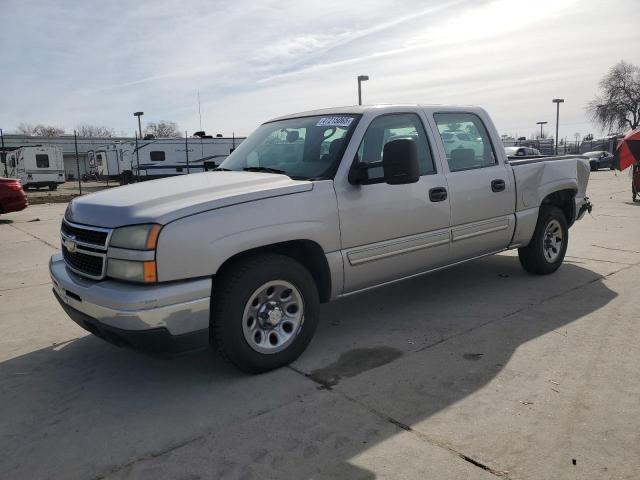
[400, 162]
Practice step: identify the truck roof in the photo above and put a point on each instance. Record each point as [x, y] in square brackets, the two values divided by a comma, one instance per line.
[361, 109]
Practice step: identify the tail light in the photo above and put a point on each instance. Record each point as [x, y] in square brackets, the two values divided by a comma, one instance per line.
[16, 186]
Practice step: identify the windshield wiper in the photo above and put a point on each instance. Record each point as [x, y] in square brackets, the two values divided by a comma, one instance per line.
[221, 169]
[264, 169]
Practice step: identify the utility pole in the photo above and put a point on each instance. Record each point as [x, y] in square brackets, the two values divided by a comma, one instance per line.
[137, 158]
[557, 101]
[361, 78]
[186, 148]
[541, 125]
[139, 114]
[75, 141]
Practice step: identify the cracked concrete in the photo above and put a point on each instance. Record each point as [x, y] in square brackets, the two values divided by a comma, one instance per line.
[481, 371]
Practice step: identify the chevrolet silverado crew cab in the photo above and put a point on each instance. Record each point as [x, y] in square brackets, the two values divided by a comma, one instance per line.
[309, 208]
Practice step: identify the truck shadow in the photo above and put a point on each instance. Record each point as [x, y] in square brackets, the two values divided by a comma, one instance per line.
[85, 408]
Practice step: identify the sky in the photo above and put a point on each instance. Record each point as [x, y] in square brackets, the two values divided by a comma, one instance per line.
[69, 63]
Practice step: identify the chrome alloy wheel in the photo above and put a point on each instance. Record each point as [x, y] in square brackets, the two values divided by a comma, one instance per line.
[552, 241]
[273, 317]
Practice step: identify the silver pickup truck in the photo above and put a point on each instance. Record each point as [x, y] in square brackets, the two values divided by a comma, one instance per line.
[311, 207]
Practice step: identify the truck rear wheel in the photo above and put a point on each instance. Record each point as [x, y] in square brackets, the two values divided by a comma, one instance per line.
[264, 312]
[547, 248]
[53, 186]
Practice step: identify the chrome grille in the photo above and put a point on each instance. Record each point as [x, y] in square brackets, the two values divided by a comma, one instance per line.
[84, 249]
[90, 265]
[84, 234]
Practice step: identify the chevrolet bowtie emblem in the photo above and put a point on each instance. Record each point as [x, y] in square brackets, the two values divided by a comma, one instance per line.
[69, 244]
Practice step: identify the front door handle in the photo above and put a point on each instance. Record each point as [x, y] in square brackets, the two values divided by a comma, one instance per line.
[498, 185]
[438, 194]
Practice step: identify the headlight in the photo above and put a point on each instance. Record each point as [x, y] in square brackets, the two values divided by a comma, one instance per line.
[136, 237]
[134, 265]
[131, 271]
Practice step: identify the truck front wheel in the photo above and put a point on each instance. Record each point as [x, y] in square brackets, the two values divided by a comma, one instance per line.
[547, 248]
[264, 312]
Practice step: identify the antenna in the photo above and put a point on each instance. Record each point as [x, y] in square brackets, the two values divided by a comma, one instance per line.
[199, 112]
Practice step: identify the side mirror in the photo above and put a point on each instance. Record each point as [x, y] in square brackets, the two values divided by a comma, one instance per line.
[400, 162]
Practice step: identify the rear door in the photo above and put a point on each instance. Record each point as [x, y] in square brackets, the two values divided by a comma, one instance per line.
[481, 188]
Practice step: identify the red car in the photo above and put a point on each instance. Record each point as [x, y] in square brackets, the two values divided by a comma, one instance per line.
[12, 196]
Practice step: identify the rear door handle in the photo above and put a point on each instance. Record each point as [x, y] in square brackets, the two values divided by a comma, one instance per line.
[498, 185]
[438, 194]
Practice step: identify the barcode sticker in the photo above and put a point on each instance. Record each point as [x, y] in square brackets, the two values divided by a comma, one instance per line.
[334, 122]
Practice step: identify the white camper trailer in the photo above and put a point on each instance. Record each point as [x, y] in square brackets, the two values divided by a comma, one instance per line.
[165, 157]
[37, 166]
[105, 161]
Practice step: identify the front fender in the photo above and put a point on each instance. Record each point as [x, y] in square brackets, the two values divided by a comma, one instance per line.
[196, 246]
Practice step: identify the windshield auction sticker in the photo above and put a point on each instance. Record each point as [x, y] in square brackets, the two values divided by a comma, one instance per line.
[334, 122]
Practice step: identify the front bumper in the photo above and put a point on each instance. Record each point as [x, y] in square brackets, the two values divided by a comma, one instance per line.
[169, 317]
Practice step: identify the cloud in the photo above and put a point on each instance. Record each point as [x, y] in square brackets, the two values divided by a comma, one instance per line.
[96, 63]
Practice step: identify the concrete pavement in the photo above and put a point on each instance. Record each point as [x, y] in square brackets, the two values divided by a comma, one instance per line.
[480, 371]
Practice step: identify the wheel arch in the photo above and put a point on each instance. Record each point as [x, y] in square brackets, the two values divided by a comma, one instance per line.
[307, 252]
[564, 199]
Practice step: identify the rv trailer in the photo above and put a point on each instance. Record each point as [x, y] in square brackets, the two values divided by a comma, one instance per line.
[37, 166]
[164, 157]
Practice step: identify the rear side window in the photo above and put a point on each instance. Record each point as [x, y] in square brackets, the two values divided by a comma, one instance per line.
[466, 141]
[42, 160]
[387, 128]
[157, 156]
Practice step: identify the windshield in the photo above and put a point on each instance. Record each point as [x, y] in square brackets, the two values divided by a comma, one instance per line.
[302, 148]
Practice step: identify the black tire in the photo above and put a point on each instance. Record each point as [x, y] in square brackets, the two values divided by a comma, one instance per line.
[231, 294]
[53, 186]
[593, 166]
[532, 257]
[634, 194]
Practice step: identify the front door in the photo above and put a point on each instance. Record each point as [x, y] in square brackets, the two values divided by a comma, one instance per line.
[480, 187]
[393, 231]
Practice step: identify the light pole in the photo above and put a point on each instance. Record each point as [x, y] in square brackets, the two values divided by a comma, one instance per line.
[139, 114]
[361, 78]
[541, 124]
[557, 101]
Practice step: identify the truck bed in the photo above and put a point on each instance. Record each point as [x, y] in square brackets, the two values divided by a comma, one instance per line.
[536, 176]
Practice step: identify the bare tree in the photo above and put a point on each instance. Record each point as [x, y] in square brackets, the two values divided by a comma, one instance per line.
[618, 104]
[93, 131]
[25, 129]
[162, 129]
[47, 130]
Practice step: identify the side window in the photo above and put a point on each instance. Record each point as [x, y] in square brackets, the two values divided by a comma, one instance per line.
[466, 141]
[42, 160]
[386, 128]
[156, 156]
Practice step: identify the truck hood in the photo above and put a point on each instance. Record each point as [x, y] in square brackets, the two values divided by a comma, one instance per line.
[162, 201]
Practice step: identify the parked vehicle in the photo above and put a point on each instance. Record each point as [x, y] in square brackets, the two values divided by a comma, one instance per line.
[311, 207]
[90, 177]
[163, 157]
[600, 159]
[37, 166]
[454, 139]
[521, 152]
[12, 196]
